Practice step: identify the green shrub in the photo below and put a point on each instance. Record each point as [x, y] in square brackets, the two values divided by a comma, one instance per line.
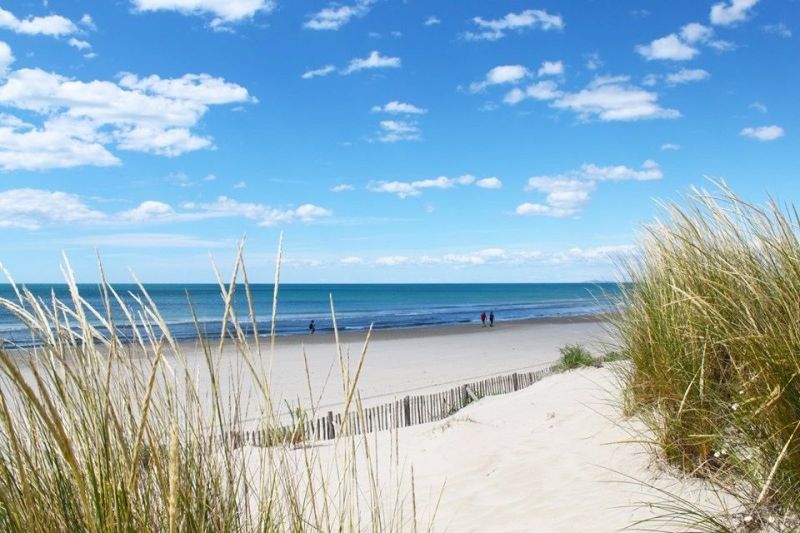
[711, 324]
[575, 356]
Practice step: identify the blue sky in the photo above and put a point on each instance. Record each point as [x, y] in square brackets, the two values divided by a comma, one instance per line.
[388, 140]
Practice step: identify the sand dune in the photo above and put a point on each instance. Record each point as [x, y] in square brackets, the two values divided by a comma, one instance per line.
[556, 456]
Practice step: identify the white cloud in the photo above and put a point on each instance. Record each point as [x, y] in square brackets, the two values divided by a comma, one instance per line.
[79, 43]
[400, 188]
[758, 106]
[311, 212]
[489, 183]
[551, 68]
[608, 98]
[731, 12]
[543, 90]
[650, 170]
[6, 58]
[567, 194]
[432, 21]
[393, 260]
[169, 142]
[199, 88]
[180, 179]
[499, 256]
[397, 108]
[52, 25]
[240, 185]
[264, 215]
[33, 208]
[223, 11]
[500, 75]
[514, 96]
[398, 130]
[780, 29]
[492, 30]
[597, 254]
[336, 15]
[670, 146]
[670, 47]
[687, 75]
[722, 46]
[147, 240]
[695, 32]
[342, 187]
[404, 189]
[614, 99]
[493, 256]
[319, 72]
[683, 46]
[24, 147]
[593, 61]
[650, 80]
[88, 22]
[148, 211]
[372, 61]
[81, 119]
[763, 133]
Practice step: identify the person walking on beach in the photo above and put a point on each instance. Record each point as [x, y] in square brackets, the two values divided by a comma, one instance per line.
[491, 319]
[312, 328]
[483, 319]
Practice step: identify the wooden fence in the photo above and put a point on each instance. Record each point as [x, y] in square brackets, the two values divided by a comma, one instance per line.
[407, 411]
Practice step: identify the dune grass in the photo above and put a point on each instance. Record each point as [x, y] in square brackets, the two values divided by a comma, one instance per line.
[574, 356]
[101, 435]
[711, 326]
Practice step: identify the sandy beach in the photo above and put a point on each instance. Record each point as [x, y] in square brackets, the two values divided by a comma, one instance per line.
[556, 456]
[399, 362]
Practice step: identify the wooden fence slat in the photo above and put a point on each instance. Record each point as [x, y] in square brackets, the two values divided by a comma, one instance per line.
[397, 413]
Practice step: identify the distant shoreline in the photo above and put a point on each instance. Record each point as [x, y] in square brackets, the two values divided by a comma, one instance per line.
[421, 332]
[325, 336]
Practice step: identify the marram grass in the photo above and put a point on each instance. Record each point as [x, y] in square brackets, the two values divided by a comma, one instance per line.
[100, 435]
[711, 325]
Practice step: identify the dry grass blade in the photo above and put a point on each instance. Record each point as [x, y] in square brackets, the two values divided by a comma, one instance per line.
[97, 434]
[709, 322]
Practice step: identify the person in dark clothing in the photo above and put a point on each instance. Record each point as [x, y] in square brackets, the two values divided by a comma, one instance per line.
[312, 328]
[483, 318]
[491, 319]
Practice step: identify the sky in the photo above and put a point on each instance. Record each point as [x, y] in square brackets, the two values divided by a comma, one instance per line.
[388, 140]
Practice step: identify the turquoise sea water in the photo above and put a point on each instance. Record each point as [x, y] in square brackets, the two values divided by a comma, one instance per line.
[357, 305]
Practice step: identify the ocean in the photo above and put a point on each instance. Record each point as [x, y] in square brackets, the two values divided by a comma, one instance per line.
[357, 305]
